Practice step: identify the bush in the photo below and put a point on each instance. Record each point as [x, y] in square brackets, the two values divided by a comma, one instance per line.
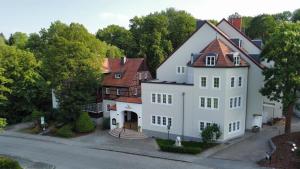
[188, 147]
[84, 124]
[65, 131]
[7, 163]
[106, 123]
[209, 132]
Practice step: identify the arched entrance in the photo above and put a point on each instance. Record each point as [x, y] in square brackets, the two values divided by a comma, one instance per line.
[130, 120]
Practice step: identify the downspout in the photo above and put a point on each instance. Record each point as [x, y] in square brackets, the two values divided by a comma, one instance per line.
[246, 115]
[183, 115]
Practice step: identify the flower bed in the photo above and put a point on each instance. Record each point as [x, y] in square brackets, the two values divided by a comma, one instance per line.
[188, 147]
[283, 157]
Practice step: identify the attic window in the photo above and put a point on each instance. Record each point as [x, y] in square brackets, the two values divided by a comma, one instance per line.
[118, 76]
[210, 60]
[236, 60]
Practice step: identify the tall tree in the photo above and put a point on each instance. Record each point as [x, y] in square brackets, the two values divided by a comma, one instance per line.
[261, 27]
[21, 67]
[2, 39]
[118, 36]
[4, 90]
[282, 80]
[18, 39]
[71, 61]
[181, 25]
[283, 16]
[296, 15]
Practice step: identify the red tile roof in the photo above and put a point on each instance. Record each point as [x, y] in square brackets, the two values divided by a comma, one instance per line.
[136, 100]
[128, 70]
[221, 50]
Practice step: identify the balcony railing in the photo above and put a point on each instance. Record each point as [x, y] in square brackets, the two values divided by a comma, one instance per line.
[93, 108]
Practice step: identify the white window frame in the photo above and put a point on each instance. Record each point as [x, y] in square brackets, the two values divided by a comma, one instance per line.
[200, 84]
[240, 81]
[118, 92]
[213, 82]
[200, 106]
[235, 127]
[163, 119]
[107, 90]
[118, 75]
[136, 92]
[236, 60]
[204, 124]
[180, 70]
[232, 77]
[153, 119]
[213, 101]
[164, 98]
[153, 94]
[169, 96]
[159, 98]
[210, 60]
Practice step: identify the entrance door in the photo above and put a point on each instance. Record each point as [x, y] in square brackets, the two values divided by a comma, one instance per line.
[132, 121]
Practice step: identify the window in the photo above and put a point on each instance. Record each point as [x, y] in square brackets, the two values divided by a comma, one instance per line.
[208, 124]
[208, 103]
[239, 101]
[135, 91]
[164, 121]
[118, 91]
[202, 102]
[158, 98]
[230, 104]
[232, 82]
[233, 126]
[158, 120]
[180, 69]
[229, 127]
[216, 82]
[236, 60]
[202, 126]
[153, 119]
[108, 107]
[153, 98]
[169, 99]
[203, 82]
[210, 60]
[164, 96]
[117, 75]
[235, 102]
[113, 121]
[238, 125]
[216, 103]
[240, 81]
[170, 121]
[107, 91]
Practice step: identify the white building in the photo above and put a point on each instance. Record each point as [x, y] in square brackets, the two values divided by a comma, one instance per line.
[213, 77]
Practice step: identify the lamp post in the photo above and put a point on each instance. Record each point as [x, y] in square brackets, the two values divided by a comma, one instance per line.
[168, 127]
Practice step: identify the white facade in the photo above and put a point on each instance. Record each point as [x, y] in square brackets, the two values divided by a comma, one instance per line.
[186, 114]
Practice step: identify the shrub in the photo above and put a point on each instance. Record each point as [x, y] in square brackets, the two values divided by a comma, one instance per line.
[188, 147]
[209, 132]
[84, 124]
[7, 163]
[65, 131]
[182, 149]
[3, 123]
[106, 123]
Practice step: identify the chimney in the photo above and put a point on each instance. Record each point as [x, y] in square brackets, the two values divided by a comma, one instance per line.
[236, 20]
[123, 60]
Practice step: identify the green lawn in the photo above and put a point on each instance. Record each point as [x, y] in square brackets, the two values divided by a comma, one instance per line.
[188, 147]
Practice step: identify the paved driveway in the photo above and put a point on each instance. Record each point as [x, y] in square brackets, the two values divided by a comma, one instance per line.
[254, 148]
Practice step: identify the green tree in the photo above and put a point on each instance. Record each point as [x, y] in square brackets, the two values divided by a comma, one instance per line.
[246, 20]
[181, 25]
[118, 36]
[213, 21]
[21, 67]
[18, 39]
[71, 59]
[4, 90]
[3, 123]
[282, 80]
[2, 39]
[283, 16]
[296, 15]
[261, 27]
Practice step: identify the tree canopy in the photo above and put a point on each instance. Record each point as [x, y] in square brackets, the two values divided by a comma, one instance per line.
[18, 39]
[283, 78]
[296, 15]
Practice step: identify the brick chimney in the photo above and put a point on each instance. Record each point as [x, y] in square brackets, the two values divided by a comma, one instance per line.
[236, 20]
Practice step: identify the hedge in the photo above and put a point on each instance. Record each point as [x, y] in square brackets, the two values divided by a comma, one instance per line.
[182, 149]
[7, 163]
[84, 124]
[65, 131]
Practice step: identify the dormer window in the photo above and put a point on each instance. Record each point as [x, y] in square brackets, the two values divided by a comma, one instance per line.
[118, 76]
[210, 60]
[236, 60]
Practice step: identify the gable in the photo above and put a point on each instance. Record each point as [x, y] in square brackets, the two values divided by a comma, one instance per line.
[232, 32]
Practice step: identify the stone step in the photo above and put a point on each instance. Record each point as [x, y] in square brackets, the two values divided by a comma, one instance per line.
[128, 134]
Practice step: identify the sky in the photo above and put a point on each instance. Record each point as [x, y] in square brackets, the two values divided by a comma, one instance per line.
[31, 15]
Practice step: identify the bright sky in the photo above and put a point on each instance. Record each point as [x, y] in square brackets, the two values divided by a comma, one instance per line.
[32, 15]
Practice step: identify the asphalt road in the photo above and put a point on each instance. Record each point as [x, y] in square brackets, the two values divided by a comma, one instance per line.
[75, 157]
